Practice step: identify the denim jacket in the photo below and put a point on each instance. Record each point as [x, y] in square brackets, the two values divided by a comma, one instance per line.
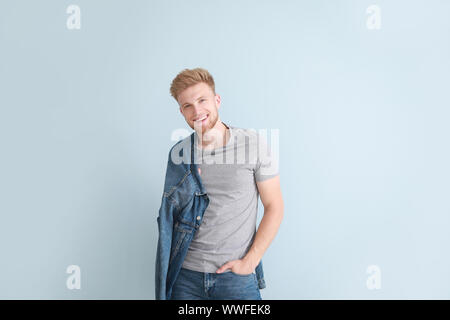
[183, 204]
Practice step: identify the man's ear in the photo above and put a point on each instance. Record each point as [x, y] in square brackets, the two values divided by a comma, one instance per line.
[217, 97]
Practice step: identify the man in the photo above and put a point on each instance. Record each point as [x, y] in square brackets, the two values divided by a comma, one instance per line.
[222, 256]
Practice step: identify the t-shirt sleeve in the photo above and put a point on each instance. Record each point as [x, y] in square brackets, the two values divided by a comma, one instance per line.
[267, 160]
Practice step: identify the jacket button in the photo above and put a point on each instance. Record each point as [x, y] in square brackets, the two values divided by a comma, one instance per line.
[198, 218]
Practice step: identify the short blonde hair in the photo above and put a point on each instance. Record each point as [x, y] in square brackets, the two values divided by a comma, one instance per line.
[190, 77]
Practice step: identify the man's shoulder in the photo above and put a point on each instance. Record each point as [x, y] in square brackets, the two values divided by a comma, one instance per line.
[176, 150]
[182, 142]
[244, 131]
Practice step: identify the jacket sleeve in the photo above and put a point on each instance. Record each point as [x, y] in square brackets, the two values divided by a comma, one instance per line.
[165, 227]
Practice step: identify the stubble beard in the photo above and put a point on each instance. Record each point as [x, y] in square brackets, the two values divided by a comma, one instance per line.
[206, 133]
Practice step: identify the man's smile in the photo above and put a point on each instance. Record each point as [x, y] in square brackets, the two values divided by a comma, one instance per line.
[202, 118]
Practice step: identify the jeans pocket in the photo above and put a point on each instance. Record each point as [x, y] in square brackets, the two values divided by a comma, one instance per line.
[241, 275]
[256, 280]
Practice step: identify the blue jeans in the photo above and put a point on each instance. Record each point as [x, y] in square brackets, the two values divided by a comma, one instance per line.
[194, 285]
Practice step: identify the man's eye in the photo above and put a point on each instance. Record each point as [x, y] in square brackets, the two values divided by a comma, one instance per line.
[202, 100]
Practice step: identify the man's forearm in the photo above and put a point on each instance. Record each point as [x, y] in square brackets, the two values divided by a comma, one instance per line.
[267, 230]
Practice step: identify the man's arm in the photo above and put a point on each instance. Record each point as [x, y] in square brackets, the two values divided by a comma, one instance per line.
[270, 193]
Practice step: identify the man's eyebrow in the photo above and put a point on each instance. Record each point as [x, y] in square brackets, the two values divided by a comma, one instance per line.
[194, 100]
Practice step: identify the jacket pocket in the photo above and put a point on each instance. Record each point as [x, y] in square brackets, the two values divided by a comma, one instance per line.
[180, 235]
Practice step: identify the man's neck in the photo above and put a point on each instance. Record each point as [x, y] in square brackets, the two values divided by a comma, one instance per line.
[217, 140]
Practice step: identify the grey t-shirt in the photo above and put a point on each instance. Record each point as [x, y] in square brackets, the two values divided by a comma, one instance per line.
[229, 174]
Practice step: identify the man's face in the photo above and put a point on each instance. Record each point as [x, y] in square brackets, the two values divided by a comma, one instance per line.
[199, 101]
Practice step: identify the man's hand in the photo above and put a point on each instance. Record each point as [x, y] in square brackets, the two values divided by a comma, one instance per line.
[242, 267]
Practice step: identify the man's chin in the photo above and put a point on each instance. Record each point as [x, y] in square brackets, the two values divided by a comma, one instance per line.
[200, 130]
[203, 129]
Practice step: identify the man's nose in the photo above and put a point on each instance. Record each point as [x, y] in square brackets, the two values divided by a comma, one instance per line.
[198, 110]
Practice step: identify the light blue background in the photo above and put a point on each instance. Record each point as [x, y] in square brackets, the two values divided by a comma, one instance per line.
[86, 121]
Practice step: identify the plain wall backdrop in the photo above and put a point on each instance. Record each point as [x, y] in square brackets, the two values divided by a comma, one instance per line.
[86, 121]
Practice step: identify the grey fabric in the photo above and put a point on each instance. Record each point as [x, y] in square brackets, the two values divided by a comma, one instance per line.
[229, 223]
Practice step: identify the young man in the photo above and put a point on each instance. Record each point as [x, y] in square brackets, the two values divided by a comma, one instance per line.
[226, 249]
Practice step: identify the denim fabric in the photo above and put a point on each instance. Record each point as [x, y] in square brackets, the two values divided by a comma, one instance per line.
[194, 285]
[183, 204]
